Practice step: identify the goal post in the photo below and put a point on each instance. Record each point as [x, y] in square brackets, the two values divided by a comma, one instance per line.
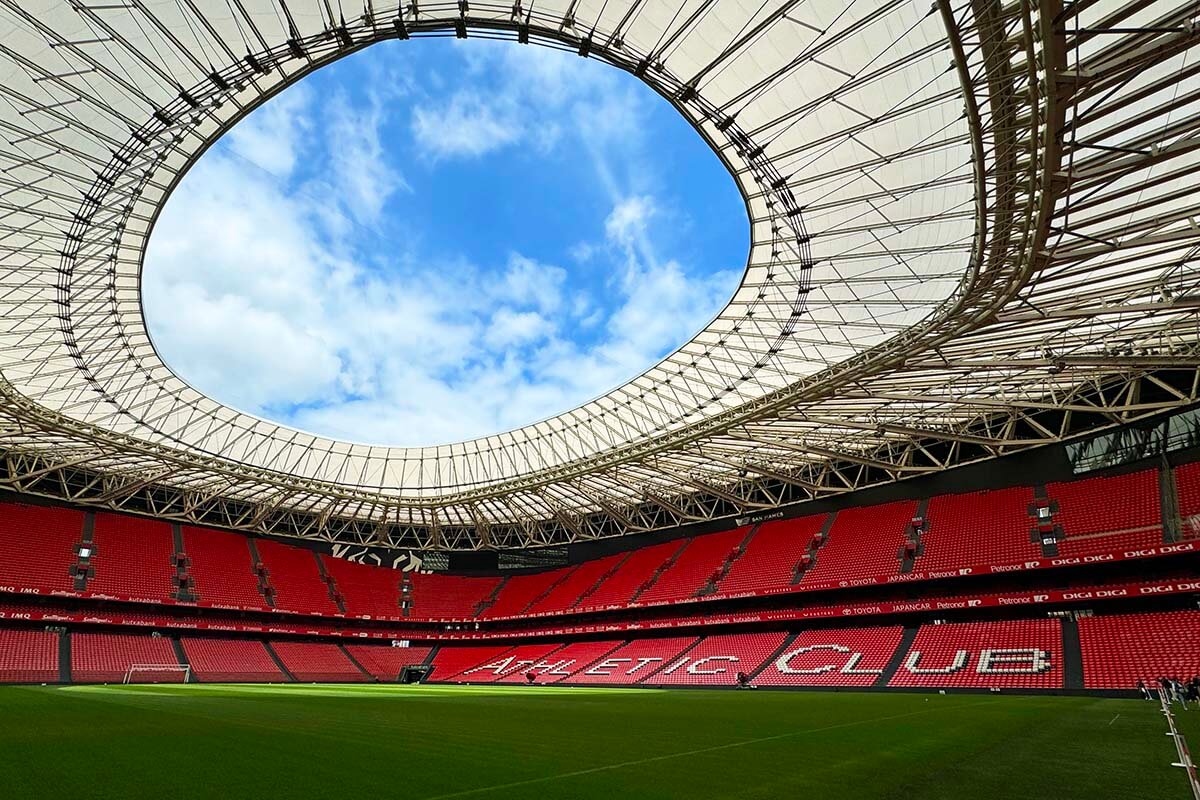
[135, 669]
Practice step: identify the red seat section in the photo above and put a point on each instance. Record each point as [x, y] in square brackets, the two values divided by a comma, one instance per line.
[1024, 654]
[221, 569]
[521, 590]
[450, 662]
[770, 560]
[134, 558]
[1105, 514]
[296, 579]
[367, 591]
[448, 596]
[322, 663]
[620, 587]
[571, 589]
[837, 657]
[511, 666]
[231, 661]
[572, 658]
[863, 543]
[386, 663]
[718, 659]
[698, 563]
[37, 546]
[978, 529]
[28, 657]
[1187, 483]
[1118, 651]
[107, 657]
[633, 662]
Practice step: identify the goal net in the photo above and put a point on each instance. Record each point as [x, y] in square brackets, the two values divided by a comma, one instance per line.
[154, 673]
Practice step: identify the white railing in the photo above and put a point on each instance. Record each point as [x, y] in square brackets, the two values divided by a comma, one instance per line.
[1181, 748]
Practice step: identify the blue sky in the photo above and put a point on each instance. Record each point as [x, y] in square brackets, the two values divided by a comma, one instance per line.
[431, 241]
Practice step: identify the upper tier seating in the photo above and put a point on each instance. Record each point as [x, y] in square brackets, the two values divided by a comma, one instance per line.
[367, 591]
[1187, 483]
[521, 590]
[231, 661]
[1104, 514]
[634, 662]
[221, 569]
[107, 657]
[698, 562]
[450, 662]
[1003, 655]
[386, 663]
[718, 659]
[770, 560]
[134, 558]
[570, 590]
[28, 656]
[620, 587]
[37, 546]
[320, 663]
[573, 658]
[836, 657]
[1118, 651]
[448, 596]
[296, 578]
[863, 543]
[976, 529]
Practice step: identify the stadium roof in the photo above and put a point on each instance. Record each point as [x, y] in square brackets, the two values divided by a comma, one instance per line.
[974, 229]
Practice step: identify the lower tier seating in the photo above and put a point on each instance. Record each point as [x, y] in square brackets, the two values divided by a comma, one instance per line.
[511, 666]
[107, 657]
[835, 657]
[1120, 650]
[572, 659]
[451, 662]
[28, 657]
[318, 663]
[634, 662]
[231, 661]
[386, 663]
[1022, 654]
[718, 659]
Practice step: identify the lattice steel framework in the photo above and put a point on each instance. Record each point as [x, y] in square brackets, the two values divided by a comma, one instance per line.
[974, 230]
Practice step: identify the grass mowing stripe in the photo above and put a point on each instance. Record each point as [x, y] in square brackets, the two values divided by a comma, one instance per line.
[698, 751]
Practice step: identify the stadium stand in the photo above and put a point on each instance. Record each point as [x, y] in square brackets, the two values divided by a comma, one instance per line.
[365, 590]
[386, 663]
[37, 546]
[635, 572]
[450, 662]
[221, 569]
[1187, 484]
[1008, 654]
[231, 661]
[572, 658]
[107, 657]
[978, 528]
[863, 543]
[520, 591]
[448, 596]
[718, 659]
[699, 562]
[771, 559]
[1108, 513]
[297, 581]
[134, 558]
[316, 662]
[633, 662]
[573, 587]
[1120, 650]
[28, 657]
[835, 657]
[511, 666]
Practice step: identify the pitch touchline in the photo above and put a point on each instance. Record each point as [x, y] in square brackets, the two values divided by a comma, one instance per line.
[698, 751]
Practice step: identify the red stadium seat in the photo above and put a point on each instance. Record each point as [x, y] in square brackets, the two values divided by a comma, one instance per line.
[1120, 650]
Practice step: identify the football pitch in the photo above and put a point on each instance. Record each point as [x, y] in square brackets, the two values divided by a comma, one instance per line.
[430, 742]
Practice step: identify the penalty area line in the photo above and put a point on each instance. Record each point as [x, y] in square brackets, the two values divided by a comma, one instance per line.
[684, 754]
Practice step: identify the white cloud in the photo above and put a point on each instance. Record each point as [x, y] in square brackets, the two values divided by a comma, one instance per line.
[466, 127]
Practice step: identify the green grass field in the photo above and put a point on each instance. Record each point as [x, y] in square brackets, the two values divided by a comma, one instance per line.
[423, 742]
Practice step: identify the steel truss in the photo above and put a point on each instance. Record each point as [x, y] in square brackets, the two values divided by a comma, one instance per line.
[1019, 274]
